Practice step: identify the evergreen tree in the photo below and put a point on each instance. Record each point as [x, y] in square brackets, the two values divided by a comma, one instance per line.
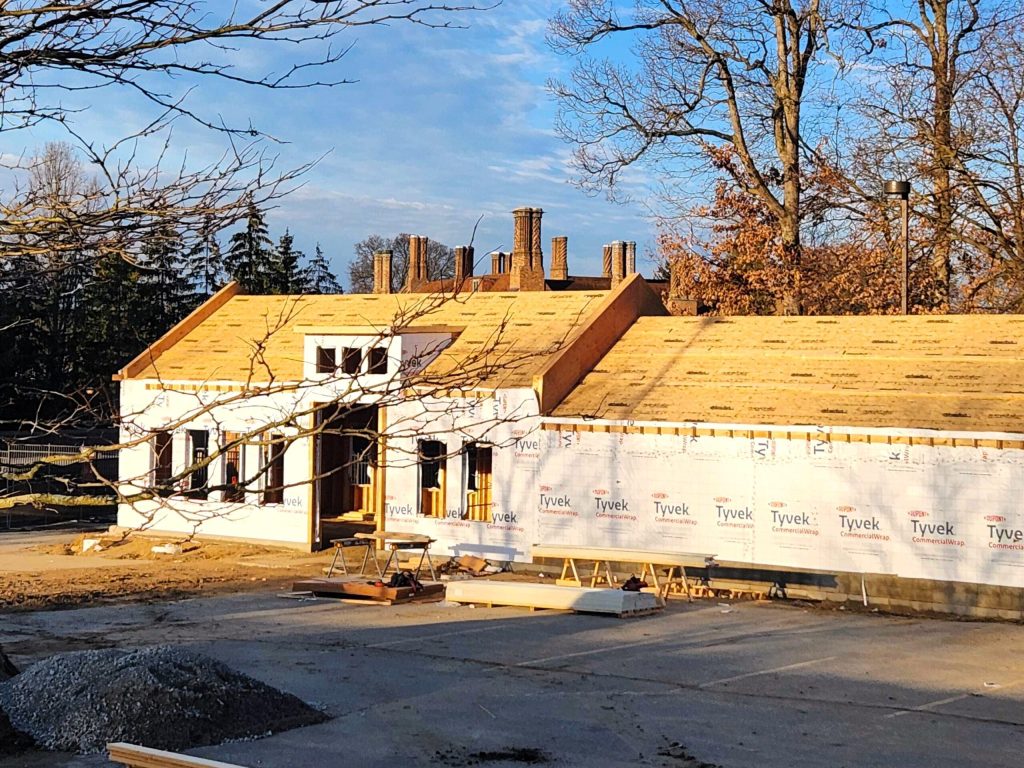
[250, 256]
[165, 283]
[318, 276]
[288, 278]
[117, 323]
[206, 261]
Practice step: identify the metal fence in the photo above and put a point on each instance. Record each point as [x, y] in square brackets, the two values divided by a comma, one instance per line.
[64, 472]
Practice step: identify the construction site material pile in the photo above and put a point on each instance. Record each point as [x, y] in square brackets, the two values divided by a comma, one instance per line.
[163, 697]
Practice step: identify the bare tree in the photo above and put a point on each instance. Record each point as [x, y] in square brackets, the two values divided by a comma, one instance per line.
[440, 261]
[144, 50]
[923, 117]
[710, 80]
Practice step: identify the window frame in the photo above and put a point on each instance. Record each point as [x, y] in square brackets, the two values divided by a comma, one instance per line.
[477, 482]
[197, 479]
[162, 461]
[351, 360]
[377, 361]
[233, 447]
[272, 457]
[326, 361]
[432, 497]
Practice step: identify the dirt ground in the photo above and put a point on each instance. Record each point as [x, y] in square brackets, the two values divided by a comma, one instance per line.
[57, 573]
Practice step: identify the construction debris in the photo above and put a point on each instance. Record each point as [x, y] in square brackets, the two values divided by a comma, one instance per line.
[162, 697]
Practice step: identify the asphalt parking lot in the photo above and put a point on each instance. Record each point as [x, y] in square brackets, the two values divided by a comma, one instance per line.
[745, 685]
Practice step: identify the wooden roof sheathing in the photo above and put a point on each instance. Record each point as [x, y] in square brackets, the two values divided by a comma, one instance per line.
[950, 372]
[259, 338]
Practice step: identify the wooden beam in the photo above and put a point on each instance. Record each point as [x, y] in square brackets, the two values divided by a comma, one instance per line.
[143, 757]
[613, 317]
[149, 355]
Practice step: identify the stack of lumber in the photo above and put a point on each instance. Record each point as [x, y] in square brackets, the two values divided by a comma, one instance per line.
[616, 602]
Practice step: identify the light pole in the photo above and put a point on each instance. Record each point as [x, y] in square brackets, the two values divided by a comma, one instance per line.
[901, 189]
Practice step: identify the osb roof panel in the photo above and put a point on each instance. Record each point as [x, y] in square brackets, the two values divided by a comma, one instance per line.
[506, 336]
[963, 372]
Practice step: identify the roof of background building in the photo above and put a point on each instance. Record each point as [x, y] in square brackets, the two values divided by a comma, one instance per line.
[956, 372]
[503, 338]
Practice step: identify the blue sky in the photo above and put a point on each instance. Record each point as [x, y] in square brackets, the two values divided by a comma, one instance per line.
[441, 127]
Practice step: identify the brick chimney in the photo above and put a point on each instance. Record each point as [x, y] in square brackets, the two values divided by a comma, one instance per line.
[618, 253]
[630, 257]
[536, 253]
[417, 274]
[560, 258]
[498, 262]
[463, 264]
[606, 260]
[522, 241]
[382, 272]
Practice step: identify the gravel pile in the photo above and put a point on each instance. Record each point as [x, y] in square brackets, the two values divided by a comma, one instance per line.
[162, 697]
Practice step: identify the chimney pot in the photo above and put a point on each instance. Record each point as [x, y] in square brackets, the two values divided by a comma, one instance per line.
[606, 260]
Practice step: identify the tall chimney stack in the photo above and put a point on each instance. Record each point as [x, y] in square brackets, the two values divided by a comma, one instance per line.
[560, 258]
[463, 264]
[536, 253]
[606, 260]
[382, 272]
[618, 251]
[630, 257]
[522, 240]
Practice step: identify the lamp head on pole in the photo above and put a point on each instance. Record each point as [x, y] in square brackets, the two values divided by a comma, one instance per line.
[900, 189]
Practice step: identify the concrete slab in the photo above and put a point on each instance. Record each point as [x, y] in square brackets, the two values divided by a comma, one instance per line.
[432, 685]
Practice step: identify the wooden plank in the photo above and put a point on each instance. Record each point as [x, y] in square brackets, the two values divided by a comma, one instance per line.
[620, 555]
[144, 757]
[360, 587]
[581, 599]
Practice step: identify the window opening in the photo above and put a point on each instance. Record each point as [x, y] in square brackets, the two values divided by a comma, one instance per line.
[163, 461]
[325, 362]
[432, 461]
[351, 360]
[233, 490]
[478, 481]
[273, 478]
[378, 360]
[198, 475]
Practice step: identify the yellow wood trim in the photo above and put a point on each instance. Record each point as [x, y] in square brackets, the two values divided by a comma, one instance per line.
[773, 434]
[149, 355]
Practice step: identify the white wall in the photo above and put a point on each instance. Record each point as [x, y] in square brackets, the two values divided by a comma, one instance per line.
[509, 421]
[914, 511]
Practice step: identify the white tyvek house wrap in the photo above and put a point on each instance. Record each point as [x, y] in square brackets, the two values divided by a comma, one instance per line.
[509, 421]
[944, 513]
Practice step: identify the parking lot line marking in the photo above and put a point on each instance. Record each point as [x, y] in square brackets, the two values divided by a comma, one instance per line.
[766, 671]
[948, 700]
